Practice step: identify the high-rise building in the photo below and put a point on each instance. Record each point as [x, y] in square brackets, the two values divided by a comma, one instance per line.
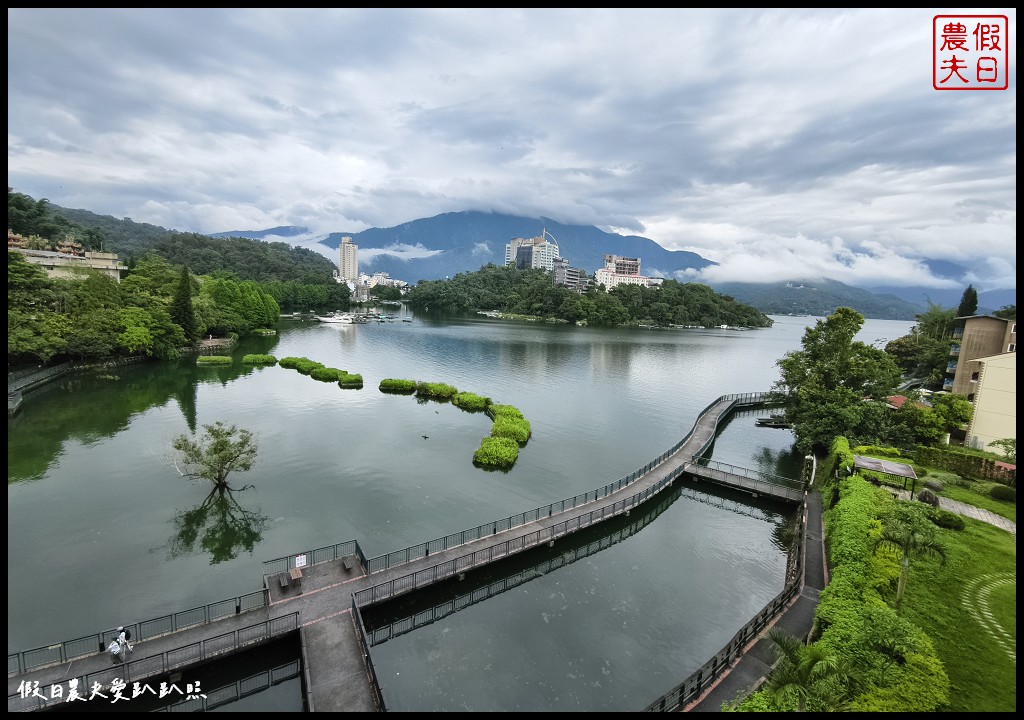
[348, 261]
[570, 277]
[535, 252]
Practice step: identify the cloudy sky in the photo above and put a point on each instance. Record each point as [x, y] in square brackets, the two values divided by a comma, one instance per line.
[779, 143]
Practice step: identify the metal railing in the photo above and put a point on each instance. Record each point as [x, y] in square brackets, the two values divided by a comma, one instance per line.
[237, 690]
[364, 645]
[155, 665]
[765, 479]
[422, 550]
[463, 563]
[698, 681]
[91, 644]
[314, 557]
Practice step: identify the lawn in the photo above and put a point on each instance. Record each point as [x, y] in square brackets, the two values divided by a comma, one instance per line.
[968, 606]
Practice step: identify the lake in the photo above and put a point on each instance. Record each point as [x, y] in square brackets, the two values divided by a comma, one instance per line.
[102, 530]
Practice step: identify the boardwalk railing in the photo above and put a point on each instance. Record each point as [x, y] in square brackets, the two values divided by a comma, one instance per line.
[314, 557]
[692, 687]
[237, 690]
[454, 567]
[38, 698]
[81, 647]
[415, 552]
[91, 644]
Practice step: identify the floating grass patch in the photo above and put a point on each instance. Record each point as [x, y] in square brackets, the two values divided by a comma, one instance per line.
[264, 331]
[437, 391]
[326, 374]
[495, 411]
[257, 359]
[213, 360]
[396, 385]
[350, 381]
[496, 452]
[290, 362]
[306, 367]
[471, 402]
[514, 428]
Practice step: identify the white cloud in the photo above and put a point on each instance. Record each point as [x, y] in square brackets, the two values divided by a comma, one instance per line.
[771, 141]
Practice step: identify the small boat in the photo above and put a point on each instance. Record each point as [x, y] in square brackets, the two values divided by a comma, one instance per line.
[408, 319]
[773, 421]
[337, 319]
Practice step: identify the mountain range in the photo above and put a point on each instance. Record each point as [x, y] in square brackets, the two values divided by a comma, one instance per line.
[445, 245]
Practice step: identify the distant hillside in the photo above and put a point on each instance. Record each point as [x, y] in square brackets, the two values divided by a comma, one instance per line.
[249, 259]
[444, 245]
[818, 297]
[451, 243]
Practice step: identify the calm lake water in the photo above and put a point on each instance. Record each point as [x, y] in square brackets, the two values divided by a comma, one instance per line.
[98, 518]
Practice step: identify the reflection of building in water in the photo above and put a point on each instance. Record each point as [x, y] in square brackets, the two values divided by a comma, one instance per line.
[532, 253]
[619, 270]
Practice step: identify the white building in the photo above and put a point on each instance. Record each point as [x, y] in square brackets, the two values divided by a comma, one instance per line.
[623, 271]
[537, 252]
[348, 261]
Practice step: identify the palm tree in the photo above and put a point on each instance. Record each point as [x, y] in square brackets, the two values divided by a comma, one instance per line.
[909, 539]
[800, 672]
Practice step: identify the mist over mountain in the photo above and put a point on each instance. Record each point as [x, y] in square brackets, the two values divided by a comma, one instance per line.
[445, 245]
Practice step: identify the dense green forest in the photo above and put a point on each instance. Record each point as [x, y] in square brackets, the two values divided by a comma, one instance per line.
[531, 292]
[246, 259]
[179, 288]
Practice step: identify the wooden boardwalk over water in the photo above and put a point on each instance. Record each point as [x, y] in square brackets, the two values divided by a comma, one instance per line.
[323, 605]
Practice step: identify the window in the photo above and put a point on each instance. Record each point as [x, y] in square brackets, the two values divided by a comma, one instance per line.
[974, 377]
[1012, 347]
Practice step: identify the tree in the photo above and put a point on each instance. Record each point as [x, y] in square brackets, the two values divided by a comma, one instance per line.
[1007, 312]
[823, 386]
[968, 302]
[223, 450]
[1008, 446]
[803, 672]
[954, 411]
[182, 311]
[909, 537]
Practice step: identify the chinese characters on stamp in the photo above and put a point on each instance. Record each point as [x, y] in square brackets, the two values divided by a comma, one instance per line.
[970, 52]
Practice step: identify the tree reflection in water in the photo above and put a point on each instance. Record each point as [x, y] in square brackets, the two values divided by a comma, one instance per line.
[220, 526]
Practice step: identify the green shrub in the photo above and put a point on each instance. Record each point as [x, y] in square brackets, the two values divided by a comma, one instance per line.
[395, 385]
[436, 390]
[350, 380]
[496, 452]
[326, 374]
[255, 359]
[1003, 492]
[877, 451]
[514, 428]
[290, 362]
[919, 471]
[306, 367]
[933, 484]
[471, 402]
[213, 360]
[946, 519]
